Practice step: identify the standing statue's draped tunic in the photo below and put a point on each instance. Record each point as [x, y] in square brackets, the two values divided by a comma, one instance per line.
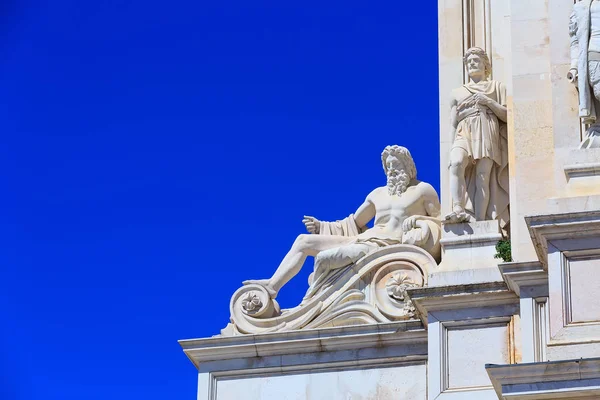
[481, 134]
[579, 32]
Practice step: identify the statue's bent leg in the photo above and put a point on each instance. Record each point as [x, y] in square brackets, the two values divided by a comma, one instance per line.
[304, 245]
[335, 258]
[592, 134]
[342, 256]
[483, 171]
[459, 159]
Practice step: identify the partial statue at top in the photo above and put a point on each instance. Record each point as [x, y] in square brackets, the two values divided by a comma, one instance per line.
[584, 30]
[406, 211]
[361, 275]
[479, 156]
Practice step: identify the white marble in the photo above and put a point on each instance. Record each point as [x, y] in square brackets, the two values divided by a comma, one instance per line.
[584, 281]
[467, 325]
[478, 178]
[582, 171]
[569, 379]
[468, 254]
[476, 312]
[530, 282]
[406, 217]
[584, 72]
[384, 361]
[568, 246]
[406, 382]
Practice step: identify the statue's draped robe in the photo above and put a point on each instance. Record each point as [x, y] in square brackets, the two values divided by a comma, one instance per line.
[579, 31]
[329, 264]
[481, 134]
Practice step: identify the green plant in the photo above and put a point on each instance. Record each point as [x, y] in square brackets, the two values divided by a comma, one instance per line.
[503, 250]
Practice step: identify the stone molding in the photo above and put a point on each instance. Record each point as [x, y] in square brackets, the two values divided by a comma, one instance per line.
[484, 311]
[525, 275]
[566, 379]
[582, 170]
[551, 227]
[445, 298]
[201, 351]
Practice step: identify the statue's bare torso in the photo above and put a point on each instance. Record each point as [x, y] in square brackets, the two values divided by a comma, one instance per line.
[390, 211]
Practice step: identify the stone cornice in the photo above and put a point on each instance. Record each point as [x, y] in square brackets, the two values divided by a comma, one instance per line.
[582, 170]
[518, 275]
[304, 341]
[548, 227]
[543, 380]
[476, 295]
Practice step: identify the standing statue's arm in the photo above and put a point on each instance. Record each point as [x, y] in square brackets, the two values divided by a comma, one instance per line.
[574, 44]
[453, 119]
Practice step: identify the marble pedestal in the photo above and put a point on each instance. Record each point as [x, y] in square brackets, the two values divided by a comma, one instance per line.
[377, 361]
[582, 170]
[467, 326]
[468, 251]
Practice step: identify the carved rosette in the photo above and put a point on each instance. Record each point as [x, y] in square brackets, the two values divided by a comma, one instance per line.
[389, 289]
[370, 291]
[251, 303]
[396, 287]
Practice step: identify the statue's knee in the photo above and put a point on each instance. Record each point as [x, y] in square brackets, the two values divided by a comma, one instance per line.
[302, 242]
[321, 258]
[482, 181]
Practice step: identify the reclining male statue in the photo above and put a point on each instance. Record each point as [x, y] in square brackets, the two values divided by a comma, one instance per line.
[406, 211]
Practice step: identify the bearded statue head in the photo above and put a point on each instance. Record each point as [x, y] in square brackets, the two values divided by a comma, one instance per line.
[399, 168]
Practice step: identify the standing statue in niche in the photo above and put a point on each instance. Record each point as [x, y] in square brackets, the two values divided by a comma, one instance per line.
[406, 211]
[479, 156]
[584, 30]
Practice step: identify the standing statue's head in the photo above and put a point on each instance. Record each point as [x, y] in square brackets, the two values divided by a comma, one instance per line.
[477, 63]
[399, 167]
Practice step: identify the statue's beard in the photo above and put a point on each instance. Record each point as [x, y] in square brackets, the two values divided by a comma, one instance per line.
[397, 182]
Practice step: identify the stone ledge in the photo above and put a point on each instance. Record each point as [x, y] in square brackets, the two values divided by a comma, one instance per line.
[547, 227]
[547, 380]
[582, 163]
[444, 298]
[305, 341]
[525, 275]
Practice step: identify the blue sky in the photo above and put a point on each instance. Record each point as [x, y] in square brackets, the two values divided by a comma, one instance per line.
[155, 154]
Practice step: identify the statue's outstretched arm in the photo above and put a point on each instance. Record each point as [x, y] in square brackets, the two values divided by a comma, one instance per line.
[349, 226]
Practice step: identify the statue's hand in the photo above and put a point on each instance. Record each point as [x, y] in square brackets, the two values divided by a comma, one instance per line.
[409, 223]
[312, 224]
[482, 99]
[572, 76]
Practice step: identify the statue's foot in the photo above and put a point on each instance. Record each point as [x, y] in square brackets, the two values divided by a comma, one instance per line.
[266, 283]
[456, 217]
[592, 138]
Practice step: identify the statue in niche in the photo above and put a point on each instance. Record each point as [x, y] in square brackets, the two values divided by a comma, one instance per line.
[406, 211]
[479, 156]
[584, 31]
